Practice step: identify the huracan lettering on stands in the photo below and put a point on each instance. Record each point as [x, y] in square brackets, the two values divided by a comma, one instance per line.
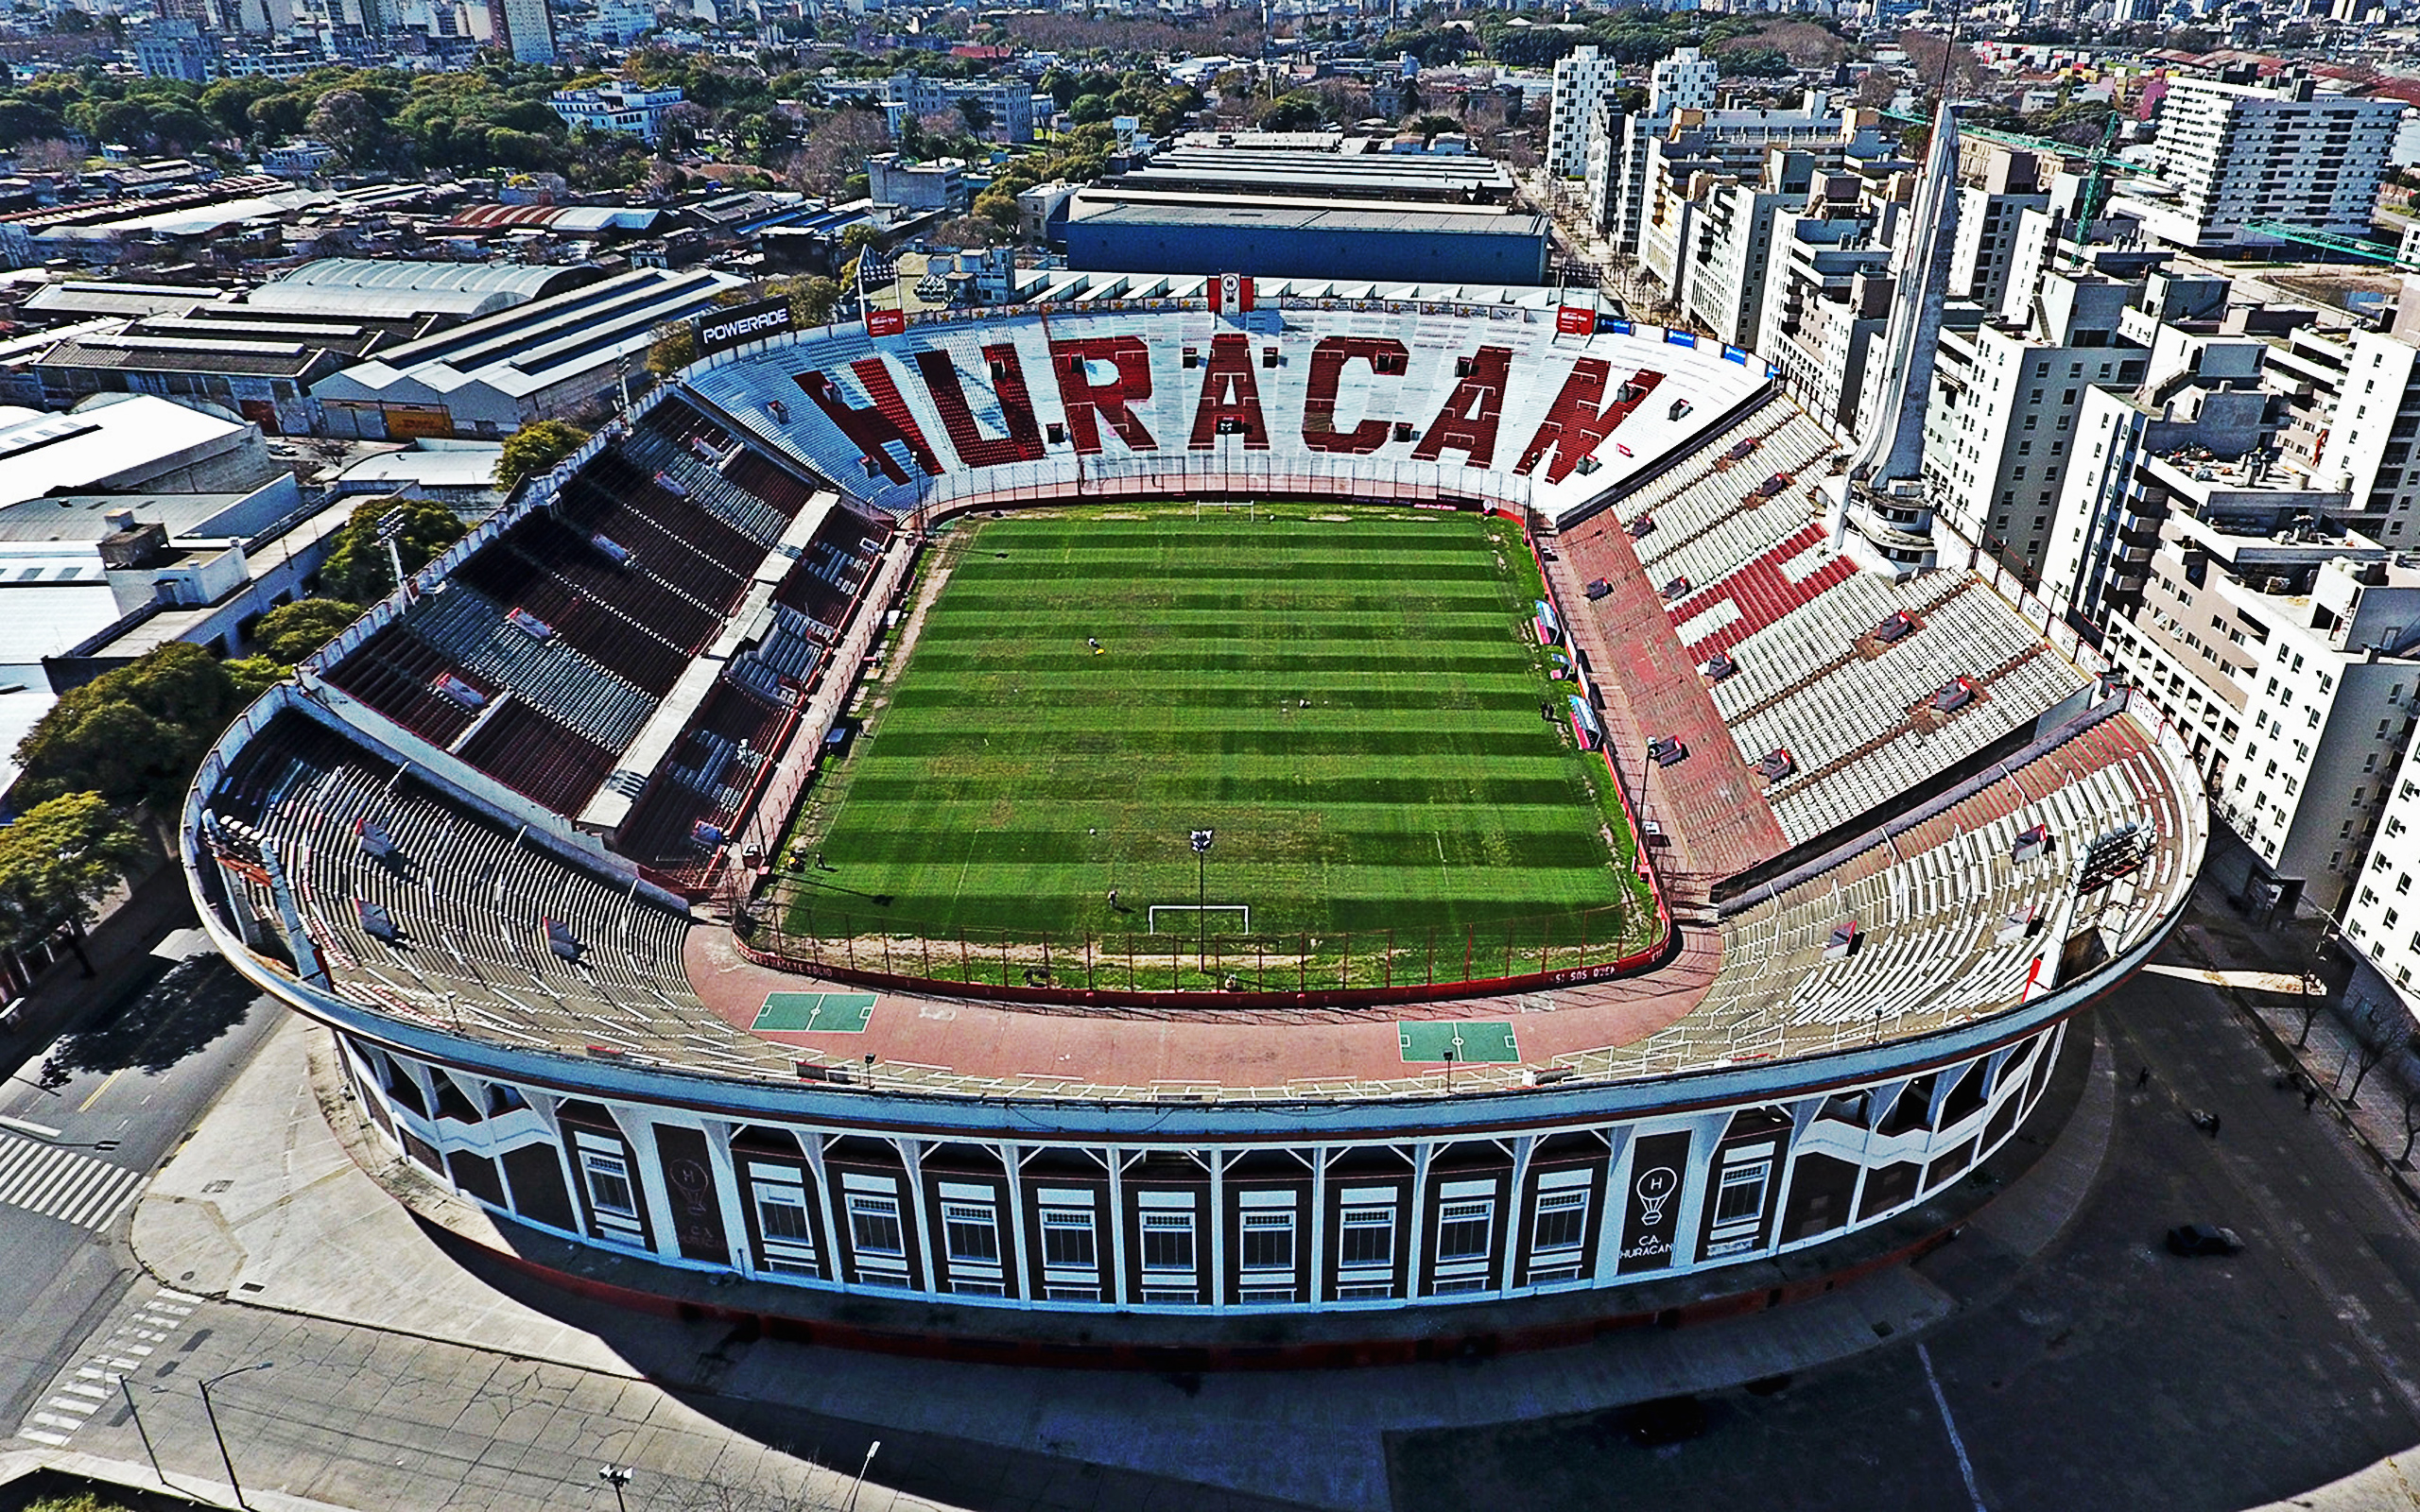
[1471, 413]
[1089, 404]
[1385, 355]
[874, 428]
[1023, 442]
[1581, 420]
[1230, 397]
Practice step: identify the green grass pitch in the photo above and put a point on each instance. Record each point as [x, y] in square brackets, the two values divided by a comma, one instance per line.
[1349, 699]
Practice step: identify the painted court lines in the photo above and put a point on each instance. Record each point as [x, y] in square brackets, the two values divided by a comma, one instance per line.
[94, 1384]
[815, 1012]
[64, 1183]
[1433, 1042]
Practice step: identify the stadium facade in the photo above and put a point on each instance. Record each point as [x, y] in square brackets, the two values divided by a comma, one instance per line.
[492, 835]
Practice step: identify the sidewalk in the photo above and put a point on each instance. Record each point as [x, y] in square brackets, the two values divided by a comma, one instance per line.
[265, 1209]
[2261, 965]
[120, 949]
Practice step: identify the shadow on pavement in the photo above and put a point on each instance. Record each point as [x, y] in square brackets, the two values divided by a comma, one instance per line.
[687, 1359]
[191, 1005]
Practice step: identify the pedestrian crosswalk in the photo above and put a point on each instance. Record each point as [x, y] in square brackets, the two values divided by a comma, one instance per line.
[63, 1183]
[78, 1395]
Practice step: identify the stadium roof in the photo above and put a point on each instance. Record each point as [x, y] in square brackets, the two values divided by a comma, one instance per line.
[367, 287]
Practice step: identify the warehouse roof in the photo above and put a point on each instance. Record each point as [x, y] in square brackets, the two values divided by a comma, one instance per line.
[1294, 214]
[523, 351]
[361, 285]
[109, 441]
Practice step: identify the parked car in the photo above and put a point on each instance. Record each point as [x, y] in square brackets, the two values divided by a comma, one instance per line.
[2203, 1239]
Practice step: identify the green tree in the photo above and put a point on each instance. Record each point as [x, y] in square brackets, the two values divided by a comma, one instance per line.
[136, 734]
[57, 863]
[24, 120]
[1292, 113]
[676, 347]
[534, 448]
[357, 569]
[999, 209]
[350, 121]
[292, 631]
[254, 676]
[812, 300]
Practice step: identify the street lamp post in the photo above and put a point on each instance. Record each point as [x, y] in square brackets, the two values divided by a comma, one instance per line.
[615, 1476]
[859, 1485]
[1202, 839]
[391, 525]
[211, 1411]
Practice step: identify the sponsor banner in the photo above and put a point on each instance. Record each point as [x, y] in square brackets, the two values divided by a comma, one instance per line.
[1658, 1163]
[1735, 355]
[721, 329]
[886, 322]
[1682, 338]
[1574, 320]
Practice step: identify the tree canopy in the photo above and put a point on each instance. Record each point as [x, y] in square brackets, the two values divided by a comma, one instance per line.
[357, 569]
[534, 448]
[292, 631]
[136, 733]
[58, 862]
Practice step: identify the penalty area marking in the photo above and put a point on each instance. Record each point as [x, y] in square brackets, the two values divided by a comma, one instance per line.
[1428, 1042]
[815, 1013]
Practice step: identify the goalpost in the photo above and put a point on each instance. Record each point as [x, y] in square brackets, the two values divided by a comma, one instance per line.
[1249, 510]
[1154, 913]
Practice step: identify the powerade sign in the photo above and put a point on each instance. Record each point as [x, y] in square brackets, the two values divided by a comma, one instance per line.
[726, 329]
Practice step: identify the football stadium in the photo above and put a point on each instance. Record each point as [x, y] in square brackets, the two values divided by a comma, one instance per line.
[1143, 825]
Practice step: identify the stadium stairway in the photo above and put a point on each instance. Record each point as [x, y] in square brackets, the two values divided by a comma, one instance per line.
[1708, 807]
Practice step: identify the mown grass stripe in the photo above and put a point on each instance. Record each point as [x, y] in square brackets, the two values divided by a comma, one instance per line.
[1011, 777]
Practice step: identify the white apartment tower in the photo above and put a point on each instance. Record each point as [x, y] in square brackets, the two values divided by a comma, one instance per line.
[2235, 154]
[2001, 428]
[1581, 80]
[2368, 452]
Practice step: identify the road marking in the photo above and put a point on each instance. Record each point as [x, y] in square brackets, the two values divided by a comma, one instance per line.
[107, 1082]
[26, 1126]
[69, 1185]
[1957, 1445]
[85, 1394]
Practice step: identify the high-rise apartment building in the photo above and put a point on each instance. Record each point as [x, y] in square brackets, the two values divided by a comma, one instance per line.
[1581, 80]
[525, 29]
[2233, 155]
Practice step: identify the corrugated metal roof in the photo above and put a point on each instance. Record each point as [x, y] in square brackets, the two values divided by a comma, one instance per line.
[1241, 212]
[367, 287]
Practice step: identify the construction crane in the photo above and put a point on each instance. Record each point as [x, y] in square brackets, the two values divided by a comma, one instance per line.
[2100, 162]
[2348, 246]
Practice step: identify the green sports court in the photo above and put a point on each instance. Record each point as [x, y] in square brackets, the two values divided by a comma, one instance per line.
[816, 1012]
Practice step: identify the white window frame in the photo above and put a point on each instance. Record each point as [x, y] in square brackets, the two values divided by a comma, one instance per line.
[877, 1207]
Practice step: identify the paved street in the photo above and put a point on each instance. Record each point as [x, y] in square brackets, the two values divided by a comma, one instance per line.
[2111, 1374]
[120, 1093]
[2026, 1365]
